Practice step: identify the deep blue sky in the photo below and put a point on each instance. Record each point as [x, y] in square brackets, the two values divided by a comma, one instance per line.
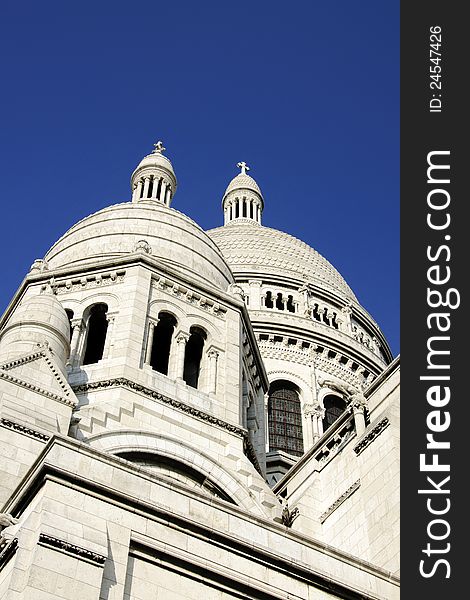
[306, 92]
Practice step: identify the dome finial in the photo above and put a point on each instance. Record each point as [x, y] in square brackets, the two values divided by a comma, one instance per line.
[159, 148]
[244, 167]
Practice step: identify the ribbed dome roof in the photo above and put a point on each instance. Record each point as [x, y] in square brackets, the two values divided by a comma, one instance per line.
[162, 232]
[243, 182]
[249, 247]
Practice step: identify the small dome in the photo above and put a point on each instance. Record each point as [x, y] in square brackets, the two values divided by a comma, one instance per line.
[253, 249]
[38, 319]
[243, 182]
[163, 233]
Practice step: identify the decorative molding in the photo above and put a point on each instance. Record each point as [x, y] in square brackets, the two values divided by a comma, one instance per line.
[186, 408]
[44, 352]
[349, 492]
[342, 431]
[332, 367]
[370, 437]
[189, 296]
[71, 549]
[43, 437]
[83, 283]
[37, 389]
[7, 551]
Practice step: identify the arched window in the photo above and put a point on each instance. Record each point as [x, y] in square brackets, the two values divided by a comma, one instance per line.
[334, 408]
[96, 334]
[193, 355]
[162, 336]
[279, 302]
[69, 313]
[285, 418]
[268, 301]
[290, 304]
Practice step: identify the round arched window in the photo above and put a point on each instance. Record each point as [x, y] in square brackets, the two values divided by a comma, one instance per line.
[334, 408]
[285, 418]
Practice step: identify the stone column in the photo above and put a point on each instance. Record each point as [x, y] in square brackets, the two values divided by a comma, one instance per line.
[146, 187]
[213, 356]
[155, 188]
[314, 413]
[347, 312]
[240, 206]
[359, 404]
[255, 294]
[77, 328]
[138, 189]
[163, 191]
[181, 342]
[109, 336]
[148, 350]
[135, 195]
[168, 196]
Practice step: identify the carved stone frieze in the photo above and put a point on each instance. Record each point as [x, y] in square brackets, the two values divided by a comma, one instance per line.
[370, 437]
[63, 286]
[67, 548]
[189, 296]
[349, 492]
[150, 393]
[8, 424]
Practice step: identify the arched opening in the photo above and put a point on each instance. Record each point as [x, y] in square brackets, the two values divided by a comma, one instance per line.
[268, 302]
[290, 304]
[193, 356]
[69, 313]
[279, 301]
[162, 336]
[176, 470]
[285, 418]
[334, 408]
[159, 188]
[96, 334]
[244, 214]
[152, 181]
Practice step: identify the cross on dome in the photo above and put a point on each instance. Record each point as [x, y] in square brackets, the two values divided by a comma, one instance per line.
[159, 147]
[244, 167]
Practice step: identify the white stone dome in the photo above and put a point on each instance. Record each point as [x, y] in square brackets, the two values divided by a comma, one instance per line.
[243, 182]
[163, 233]
[253, 249]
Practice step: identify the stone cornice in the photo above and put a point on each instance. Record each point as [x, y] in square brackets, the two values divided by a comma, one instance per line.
[33, 433]
[71, 549]
[370, 436]
[188, 295]
[89, 281]
[331, 509]
[37, 389]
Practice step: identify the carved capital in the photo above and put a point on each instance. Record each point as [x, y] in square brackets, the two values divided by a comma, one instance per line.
[182, 338]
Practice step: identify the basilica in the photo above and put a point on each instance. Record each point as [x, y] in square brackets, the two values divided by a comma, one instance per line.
[190, 414]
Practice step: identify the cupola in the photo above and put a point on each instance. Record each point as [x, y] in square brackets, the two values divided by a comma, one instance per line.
[243, 199]
[154, 178]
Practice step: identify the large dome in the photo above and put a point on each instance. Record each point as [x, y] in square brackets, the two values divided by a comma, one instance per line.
[252, 248]
[166, 234]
